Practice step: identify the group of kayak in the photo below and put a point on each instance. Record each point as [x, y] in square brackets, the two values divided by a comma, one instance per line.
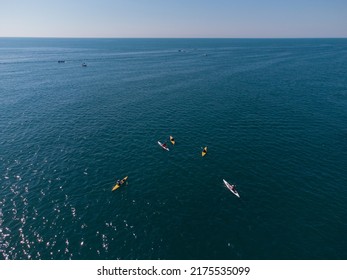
[165, 147]
[172, 140]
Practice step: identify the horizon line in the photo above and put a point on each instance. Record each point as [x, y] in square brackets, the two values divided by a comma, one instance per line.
[58, 37]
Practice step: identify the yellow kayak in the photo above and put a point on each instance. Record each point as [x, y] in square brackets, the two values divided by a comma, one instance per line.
[121, 182]
[204, 151]
[172, 140]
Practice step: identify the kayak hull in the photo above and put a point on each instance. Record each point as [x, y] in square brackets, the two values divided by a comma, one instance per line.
[172, 140]
[161, 145]
[231, 188]
[120, 183]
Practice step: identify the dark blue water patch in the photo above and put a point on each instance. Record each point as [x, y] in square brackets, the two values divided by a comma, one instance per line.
[272, 113]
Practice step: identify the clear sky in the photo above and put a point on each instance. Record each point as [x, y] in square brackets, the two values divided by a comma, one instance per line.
[173, 18]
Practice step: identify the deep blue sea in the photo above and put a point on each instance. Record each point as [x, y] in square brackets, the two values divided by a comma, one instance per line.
[273, 114]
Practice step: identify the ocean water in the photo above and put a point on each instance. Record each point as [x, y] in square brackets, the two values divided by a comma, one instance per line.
[273, 114]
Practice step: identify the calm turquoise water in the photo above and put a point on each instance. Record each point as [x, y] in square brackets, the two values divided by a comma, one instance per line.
[273, 114]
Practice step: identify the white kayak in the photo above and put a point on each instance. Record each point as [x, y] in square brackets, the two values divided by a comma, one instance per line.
[231, 188]
[163, 146]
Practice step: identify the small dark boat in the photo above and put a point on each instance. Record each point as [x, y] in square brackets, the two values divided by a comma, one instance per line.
[84, 64]
[61, 61]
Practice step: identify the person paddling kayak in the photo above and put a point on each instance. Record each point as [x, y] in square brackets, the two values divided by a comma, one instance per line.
[119, 183]
[204, 151]
[163, 145]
